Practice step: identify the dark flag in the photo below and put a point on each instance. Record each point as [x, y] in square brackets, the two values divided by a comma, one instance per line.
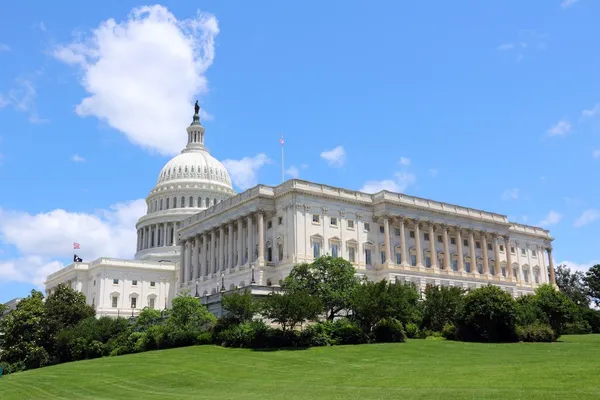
[76, 258]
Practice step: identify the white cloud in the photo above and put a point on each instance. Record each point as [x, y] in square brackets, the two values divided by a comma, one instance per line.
[244, 172]
[43, 238]
[77, 158]
[22, 97]
[575, 266]
[433, 172]
[561, 128]
[596, 153]
[588, 216]
[510, 194]
[142, 74]
[527, 41]
[377, 186]
[41, 26]
[405, 161]
[4, 47]
[568, 3]
[552, 218]
[335, 157]
[405, 179]
[292, 172]
[506, 46]
[592, 112]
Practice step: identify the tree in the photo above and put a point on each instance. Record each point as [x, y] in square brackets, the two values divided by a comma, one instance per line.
[487, 314]
[3, 309]
[240, 307]
[147, 318]
[592, 280]
[188, 314]
[291, 308]
[558, 309]
[439, 306]
[573, 285]
[65, 307]
[22, 334]
[330, 279]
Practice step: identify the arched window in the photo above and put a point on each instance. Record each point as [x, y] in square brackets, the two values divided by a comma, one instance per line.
[199, 204]
[454, 262]
[191, 204]
[468, 264]
[182, 202]
[413, 257]
[480, 265]
[503, 269]
[174, 202]
[215, 202]
[207, 202]
[161, 203]
[427, 259]
[492, 265]
[179, 169]
[167, 207]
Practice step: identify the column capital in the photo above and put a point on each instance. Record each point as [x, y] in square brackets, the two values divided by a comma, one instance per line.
[549, 249]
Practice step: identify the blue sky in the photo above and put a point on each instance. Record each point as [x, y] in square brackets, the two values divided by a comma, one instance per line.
[488, 105]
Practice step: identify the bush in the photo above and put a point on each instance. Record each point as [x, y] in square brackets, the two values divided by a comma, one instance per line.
[536, 332]
[439, 306]
[412, 331]
[449, 332]
[487, 314]
[344, 331]
[316, 335]
[389, 331]
[255, 334]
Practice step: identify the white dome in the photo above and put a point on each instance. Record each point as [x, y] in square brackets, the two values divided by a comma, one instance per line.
[197, 165]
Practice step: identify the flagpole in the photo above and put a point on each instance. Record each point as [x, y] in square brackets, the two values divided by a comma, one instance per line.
[282, 165]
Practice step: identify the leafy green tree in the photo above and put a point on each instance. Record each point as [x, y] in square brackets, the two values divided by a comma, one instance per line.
[3, 309]
[330, 279]
[573, 284]
[65, 307]
[487, 314]
[291, 308]
[147, 318]
[439, 306]
[528, 312]
[240, 307]
[22, 334]
[592, 279]
[558, 309]
[188, 314]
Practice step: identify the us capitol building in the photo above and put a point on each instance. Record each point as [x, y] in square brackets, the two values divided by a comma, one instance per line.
[199, 235]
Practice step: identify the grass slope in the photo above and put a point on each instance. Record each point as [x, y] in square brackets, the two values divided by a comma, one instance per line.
[419, 369]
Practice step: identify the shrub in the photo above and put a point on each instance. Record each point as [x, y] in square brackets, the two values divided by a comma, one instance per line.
[439, 306]
[344, 331]
[412, 330]
[389, 331]
[557, 308]
[487, 314]
[449, 332]
[316, 335]
[204, 338]
[536, 332]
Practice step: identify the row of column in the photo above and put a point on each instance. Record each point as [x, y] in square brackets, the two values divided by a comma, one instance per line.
[212, 251]
[156, 235]
[459, 248]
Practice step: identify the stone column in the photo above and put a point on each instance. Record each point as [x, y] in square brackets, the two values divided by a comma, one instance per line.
[386, 240]
[221, 255]
[403, 248]
[205, 269]
[240, 241]
[497, 254]
[472, 253]
[551, 266]
[447, 258]
[188, 262]
[418, 244]
[261, 238]
[196, 259]
[484, 251]
[250, 241]
[508, 257]
[209, 253]
[229, 246]
[459, 250]
[432, 252]
[182, 262]
[165, 235]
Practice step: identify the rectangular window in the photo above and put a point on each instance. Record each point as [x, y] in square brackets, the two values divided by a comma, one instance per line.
[523, 252]
[133, 302]
[526, 275]
[533, 253]
[367, 226]
[152, 284]
[350, 224]
[269, 224]
[368, 256]
[412, 234]
[489, 246]
[454, 265]
[397, 231]
[316, 218]
[398, 258]
[382, 254]
[477, 245]
[134, 283]
[115, 281]
[334, 250]
[280, 251]
[269, 254]
[413, 260]
[381, 229]
[502, 248]
[426, 237]
[468, 266]
[428, 262]
[151, 303]
[333, 221]
[512, 250]
[452, 240]
[440, 239]
[480, 268]
[316, 249]
[280, 220]
[351, 255]
[465, 242]
[114, 301]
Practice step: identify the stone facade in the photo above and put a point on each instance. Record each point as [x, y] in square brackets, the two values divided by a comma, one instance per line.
[259, 235]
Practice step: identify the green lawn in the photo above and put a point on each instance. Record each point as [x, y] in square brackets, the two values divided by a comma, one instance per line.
[419, 369]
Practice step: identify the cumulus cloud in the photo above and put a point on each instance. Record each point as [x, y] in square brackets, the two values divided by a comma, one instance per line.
[561, 128]
[292, 172]
[575, 266]
[335, 157]
[378, 186]
[586, 217]
[405, 161]
[592, 112]
[77, 158]
[142, 74]
[552, 218]
[510, 194]
[244, 172]
[45, 238]
[22, 97]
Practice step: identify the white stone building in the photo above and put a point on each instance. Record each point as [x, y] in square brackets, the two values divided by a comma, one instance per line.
[188, 183]
[257, 237]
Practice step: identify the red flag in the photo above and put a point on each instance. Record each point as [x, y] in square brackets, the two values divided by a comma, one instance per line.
[75, 246]
[281, 140]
